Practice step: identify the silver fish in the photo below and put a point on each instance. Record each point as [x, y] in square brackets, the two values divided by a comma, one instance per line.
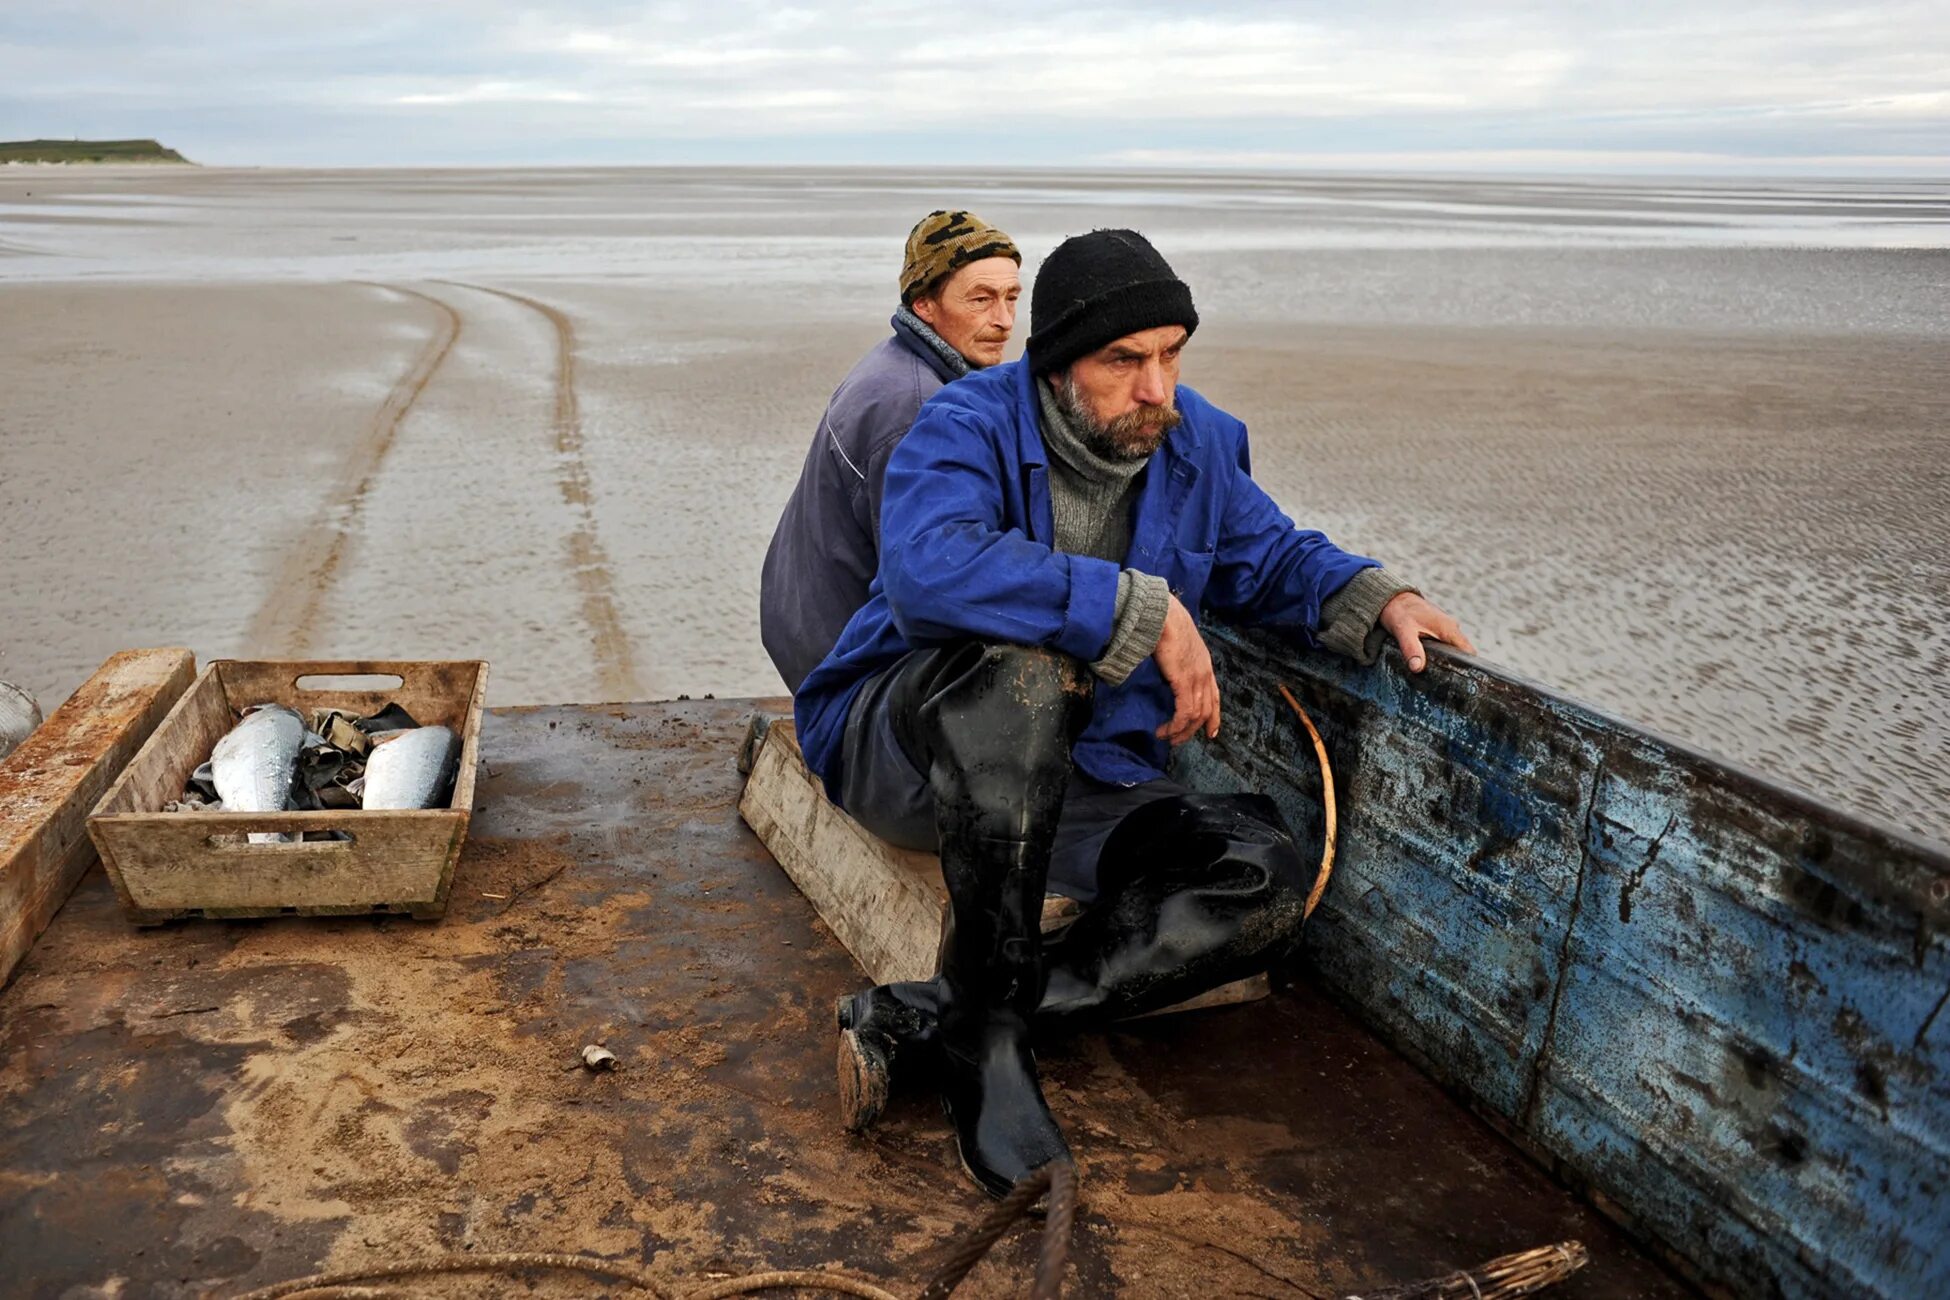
[253, 764]
[19, 715]
[410, 770]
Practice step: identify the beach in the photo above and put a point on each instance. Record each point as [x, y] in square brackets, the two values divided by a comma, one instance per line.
[1680, 450]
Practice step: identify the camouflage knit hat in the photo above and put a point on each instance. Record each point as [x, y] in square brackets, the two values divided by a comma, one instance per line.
[943, 242]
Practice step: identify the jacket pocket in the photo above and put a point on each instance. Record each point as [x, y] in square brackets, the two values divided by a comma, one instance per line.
[1191, 570]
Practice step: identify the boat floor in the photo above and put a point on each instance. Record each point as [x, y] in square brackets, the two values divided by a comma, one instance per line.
[210, 1106]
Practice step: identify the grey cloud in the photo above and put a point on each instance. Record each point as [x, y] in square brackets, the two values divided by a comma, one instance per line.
[609, 82]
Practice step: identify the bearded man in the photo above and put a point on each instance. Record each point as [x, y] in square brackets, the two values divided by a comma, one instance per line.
[959, 283]
[1051, 532]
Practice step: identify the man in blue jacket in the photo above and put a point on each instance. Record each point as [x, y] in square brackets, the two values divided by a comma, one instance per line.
[959, 284]
[1010, 692]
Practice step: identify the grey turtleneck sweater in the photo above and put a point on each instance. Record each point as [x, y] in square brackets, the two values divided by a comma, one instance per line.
[1090, 499]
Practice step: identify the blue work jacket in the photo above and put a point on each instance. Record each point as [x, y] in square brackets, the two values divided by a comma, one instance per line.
[966, 554]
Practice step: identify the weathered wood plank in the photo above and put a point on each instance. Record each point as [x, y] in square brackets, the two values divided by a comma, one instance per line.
[1712, 998]
[884, 904]
[49, 784]
[1745, 1033]
[435, 691]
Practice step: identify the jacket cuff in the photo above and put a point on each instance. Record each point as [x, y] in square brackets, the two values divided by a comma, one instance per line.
[1350, 618]
[1091, 615]
[1143, 600]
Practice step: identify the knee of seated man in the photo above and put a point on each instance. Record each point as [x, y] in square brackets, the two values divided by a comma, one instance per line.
[1037, 678]
[1005, 706]
[1000, 729]
[1254, 830]
[1212, 834]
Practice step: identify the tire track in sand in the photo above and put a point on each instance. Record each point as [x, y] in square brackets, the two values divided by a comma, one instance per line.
[615, 663]
[284, 623]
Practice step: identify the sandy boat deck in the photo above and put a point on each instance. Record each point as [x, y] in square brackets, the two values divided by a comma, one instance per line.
[207, 1107]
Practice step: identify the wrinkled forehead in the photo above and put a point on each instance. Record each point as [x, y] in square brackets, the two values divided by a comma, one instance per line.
[1146, 343]
[990, 274]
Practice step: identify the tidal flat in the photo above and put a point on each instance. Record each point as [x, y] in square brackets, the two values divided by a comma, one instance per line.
[1677, 448]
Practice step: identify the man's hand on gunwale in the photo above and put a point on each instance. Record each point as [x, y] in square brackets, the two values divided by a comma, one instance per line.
[1409, 618]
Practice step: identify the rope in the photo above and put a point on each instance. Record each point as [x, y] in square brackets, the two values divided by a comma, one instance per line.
[1059, 1179]
[781, 1279]
[494, 1263]
[341, 1282]
[1058, 1229]
[1327, 798]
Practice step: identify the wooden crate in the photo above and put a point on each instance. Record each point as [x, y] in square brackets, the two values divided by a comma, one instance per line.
[170, 865]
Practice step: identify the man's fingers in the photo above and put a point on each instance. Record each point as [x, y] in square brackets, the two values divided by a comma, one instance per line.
[1439, 628]
[1197, 709]
[1409, 638]
[1448, 631]
[1183, 721]
[1187, 668]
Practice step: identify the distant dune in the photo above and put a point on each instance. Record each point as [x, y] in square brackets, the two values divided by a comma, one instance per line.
[88, 151]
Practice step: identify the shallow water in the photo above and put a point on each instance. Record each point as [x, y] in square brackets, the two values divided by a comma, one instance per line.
[1678, 449]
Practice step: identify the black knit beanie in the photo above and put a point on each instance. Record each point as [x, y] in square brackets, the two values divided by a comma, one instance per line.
[1094, 289]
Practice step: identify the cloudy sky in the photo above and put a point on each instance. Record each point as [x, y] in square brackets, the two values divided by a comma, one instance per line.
[1706, 85]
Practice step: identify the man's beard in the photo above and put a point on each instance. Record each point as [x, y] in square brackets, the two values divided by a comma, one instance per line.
[1132, 436]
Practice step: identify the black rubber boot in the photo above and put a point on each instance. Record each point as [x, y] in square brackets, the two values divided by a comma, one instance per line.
[987, 1071]
[879, 1027]
[997, 728]
[1197, 891]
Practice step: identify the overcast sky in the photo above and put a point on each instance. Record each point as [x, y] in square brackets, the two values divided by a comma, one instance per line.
[1643, 86]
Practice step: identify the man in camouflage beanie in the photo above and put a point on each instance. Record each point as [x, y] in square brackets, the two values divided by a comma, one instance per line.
[959, 281]
[943, 242]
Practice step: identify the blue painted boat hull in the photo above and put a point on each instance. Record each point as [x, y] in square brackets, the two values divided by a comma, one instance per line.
[1710, 1000]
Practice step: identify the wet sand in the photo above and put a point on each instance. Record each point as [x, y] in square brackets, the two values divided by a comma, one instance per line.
[1678, 452]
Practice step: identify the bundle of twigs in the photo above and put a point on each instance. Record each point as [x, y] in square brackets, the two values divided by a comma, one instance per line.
[1501, 1279]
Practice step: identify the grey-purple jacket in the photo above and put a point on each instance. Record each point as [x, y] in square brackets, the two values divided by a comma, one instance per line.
[827, 546]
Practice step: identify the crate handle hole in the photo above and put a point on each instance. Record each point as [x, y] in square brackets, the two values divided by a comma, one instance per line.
[350, 682]
[288, 911]
[242, 840]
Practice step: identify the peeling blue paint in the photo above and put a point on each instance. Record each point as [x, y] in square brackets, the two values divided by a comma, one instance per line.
[1712, 998]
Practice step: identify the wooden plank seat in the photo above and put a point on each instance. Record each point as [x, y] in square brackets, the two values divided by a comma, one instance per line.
[884, 904]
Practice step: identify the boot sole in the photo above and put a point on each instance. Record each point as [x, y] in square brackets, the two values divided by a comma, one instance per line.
[863, 1081]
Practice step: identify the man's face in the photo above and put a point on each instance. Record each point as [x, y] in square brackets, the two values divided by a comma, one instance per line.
[974, 309]
[1122, 395]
